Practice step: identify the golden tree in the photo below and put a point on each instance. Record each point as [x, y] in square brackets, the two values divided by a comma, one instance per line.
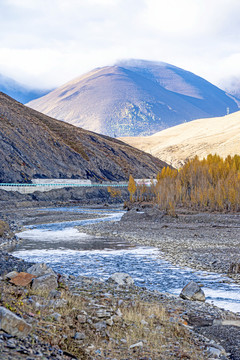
[131, 187]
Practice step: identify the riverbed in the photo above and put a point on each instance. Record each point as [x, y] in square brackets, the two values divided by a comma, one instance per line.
[69, 251]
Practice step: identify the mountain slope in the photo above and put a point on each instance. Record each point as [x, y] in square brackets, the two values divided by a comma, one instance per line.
[18, 91]
[33, 145]
[134, 97]
[201, 137]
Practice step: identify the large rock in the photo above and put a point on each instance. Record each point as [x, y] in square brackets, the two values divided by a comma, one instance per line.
[40, 269]
[13, 324]
[192, 291]
[46, 282]
[10, 275]
[22, 279]
[122, 279]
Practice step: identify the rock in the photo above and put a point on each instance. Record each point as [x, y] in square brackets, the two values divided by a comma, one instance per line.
[234, 268]
[46, 282]
[152, 214]
[40, 269]
[58, 303]
[54, 294]
[10, 275]
[13, 324]
[123, 341]
[192, 291]
[118, 313]
[139, 344]
[121, 279]
[22, 279]
[109, 322]
[101, 325]
[214, 353]
[82, 319]
[56, 316]
[102, 313]
[79, 336]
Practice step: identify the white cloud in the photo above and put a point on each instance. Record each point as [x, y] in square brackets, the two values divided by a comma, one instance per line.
[46, 42]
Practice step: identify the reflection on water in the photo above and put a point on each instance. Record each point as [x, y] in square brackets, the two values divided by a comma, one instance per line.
[69, 251]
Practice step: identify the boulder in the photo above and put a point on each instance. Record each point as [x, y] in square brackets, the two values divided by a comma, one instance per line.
[13, 324]
[192, 291]
[46, 282]
[121, 279]
[40, 269]
[10, 275]
[22, 279]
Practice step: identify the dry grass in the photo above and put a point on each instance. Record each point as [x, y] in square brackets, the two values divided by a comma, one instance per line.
[163, 337]
[4, 227]
[162, 334]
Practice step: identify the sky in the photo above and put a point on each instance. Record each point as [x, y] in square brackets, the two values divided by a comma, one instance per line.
[45, 43]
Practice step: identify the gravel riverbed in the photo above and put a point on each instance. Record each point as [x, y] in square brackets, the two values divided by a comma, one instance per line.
[188, 330]
[202, 241]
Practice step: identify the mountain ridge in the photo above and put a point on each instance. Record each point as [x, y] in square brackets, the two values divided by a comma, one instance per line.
[136, 98]
[19, 92]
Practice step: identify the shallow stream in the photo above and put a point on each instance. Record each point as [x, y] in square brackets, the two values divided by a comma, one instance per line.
[69, 251]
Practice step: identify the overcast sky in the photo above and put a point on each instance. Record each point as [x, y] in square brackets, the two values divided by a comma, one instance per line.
[44, 43]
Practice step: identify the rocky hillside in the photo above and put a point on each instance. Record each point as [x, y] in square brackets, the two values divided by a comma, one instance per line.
[201, 137]
[34, 145]
[18, 91]
[135, 98]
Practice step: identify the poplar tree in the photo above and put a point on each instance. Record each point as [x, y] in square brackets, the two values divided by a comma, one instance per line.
[131, 187]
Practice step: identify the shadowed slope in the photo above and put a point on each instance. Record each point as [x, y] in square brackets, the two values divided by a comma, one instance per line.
[35, 145]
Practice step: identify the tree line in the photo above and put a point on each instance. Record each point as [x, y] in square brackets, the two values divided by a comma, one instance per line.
[209, 184]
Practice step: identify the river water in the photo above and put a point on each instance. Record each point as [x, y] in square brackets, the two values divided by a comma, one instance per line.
[69, 251]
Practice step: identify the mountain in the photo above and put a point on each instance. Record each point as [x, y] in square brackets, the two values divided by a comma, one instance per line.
[201, 137]
[134, 97]
[232, 86]
[34, 145]
[18, 91]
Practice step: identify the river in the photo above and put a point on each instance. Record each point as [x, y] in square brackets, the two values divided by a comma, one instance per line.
[69, 251]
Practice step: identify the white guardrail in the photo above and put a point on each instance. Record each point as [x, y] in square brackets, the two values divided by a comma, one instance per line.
[30, 188]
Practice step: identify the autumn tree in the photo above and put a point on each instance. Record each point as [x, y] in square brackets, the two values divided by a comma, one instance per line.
[131, 187]
[212, 183]
[114, 192]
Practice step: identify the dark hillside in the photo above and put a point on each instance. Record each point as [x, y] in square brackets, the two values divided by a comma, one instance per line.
[33, 145]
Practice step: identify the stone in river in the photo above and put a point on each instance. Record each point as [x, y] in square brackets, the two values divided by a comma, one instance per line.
[13, 324]
[122, 279]
[192, 291]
